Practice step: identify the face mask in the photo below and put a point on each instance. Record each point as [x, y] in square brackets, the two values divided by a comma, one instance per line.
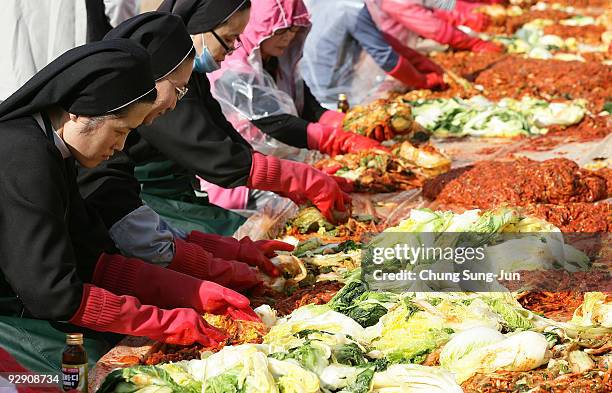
[205, 62]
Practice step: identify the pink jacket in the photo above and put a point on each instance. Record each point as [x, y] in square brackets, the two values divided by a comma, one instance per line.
[267, 16]
[406, 19]
[246, 91]
[242, 78]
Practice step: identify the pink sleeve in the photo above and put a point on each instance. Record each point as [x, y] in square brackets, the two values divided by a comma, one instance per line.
[227, 198]
[468, 6]
[503, 2]
[454, 17]
[460, 15]
[419, 19]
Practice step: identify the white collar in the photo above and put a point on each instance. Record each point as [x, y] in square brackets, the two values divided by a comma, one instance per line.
[57, 140]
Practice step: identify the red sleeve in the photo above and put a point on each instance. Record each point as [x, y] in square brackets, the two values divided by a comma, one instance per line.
[419, 19]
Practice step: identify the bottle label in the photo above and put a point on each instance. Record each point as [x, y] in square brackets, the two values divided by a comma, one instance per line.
[74, 377]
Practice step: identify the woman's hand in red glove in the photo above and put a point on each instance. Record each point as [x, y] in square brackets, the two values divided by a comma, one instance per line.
[330, 170]
[435, 81]
[164, 287]
[243, 314]
[258, 254]
[334, 141]
[423, 63]
[269, 247]
[460, 40]
[253, 253]
[105, 311]
[382, 134]
[477, 21]
[345, 184]
[332, 118]
[487, 46]
[299, 182]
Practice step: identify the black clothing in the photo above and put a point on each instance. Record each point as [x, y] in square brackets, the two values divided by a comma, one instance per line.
[163, 35]
[201, 16]
[97, 21]
[286, 128]
[291, 129]
[195, 137]
[312, 110]
[111, 188]
[88, 80]
[50, 241]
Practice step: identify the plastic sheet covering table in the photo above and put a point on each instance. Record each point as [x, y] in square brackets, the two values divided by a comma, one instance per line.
[129, 352]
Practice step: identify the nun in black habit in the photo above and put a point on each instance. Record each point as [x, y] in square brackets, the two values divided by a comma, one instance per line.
[113, 191]
[54, 274]
[196, 139]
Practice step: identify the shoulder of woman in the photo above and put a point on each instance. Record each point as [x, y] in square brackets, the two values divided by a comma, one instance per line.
[23, 138]
[198, 84]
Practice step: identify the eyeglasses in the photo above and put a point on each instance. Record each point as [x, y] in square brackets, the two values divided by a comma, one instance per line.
[180, 92]
[237, 44]
[293, 29]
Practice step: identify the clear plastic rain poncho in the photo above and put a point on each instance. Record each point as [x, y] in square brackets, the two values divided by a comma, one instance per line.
[246, 91]
[335, 60]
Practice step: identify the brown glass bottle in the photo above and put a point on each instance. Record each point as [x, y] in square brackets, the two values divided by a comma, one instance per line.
[343, 104]
[74, 364]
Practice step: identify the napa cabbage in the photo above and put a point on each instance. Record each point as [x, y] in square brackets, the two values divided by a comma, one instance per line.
[413, 378]
[480, 117]
[595, 310]
[486, 350]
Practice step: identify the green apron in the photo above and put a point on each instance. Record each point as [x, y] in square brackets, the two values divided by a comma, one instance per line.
[38, 344]
[168, 190]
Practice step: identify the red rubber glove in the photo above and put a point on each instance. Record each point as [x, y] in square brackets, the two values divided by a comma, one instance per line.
[253, 253]
[299, 182]
[193, 260]
[423, 63]
[332, 118]
[334, 141]
[269, 247]
[243, 314]
[382, 133]
[407, 73]
[477, 21]
[486, 46]
[422, 73]
[502, 2]
[330, 170]
[465, 16]
[434, 74]
[435, 81]
[345, 184]
[104, 311]
[463, 6]
[460, 40]
[163, 287]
